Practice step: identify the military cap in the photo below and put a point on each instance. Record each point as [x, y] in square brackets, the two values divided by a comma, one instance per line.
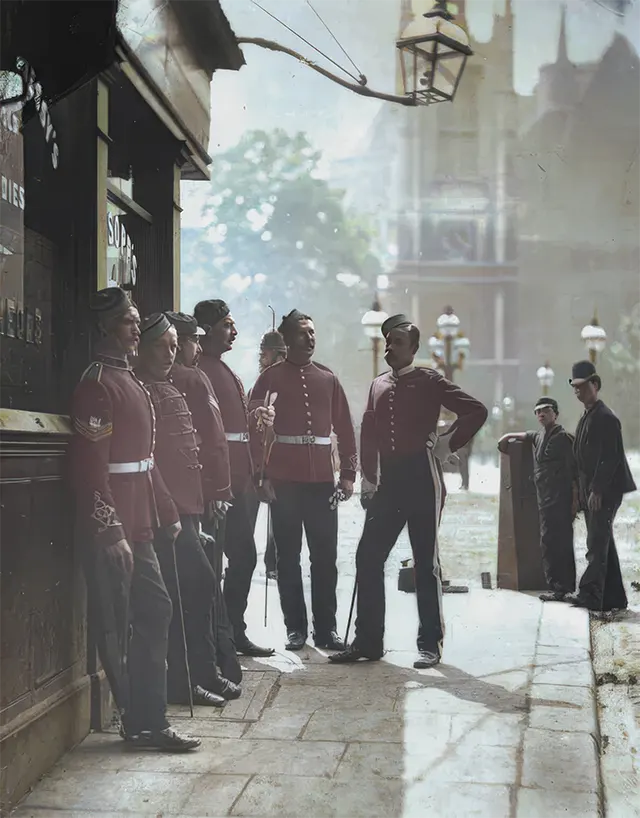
[211, 312]
[184, 324]
[292, 318]
[273, 340]
[110, 302]
[395, 322]
[546, 403]
[582, 372]
[153, 327]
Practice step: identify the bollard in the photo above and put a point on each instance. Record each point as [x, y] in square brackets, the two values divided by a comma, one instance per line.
[519, 554]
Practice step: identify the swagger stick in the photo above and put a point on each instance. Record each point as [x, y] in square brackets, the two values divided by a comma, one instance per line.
[269, 400]
[353, 602]
[266, 579]
[184, 632]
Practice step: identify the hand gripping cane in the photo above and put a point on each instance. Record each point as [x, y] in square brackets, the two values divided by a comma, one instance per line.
[269, 400]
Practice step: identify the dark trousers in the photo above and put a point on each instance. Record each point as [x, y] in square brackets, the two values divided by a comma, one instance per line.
[601, 585]
[197, 587]
[406, 496]
[144, 602]
[240, 550]
[307, 505]
[556, 544]
[270, 550]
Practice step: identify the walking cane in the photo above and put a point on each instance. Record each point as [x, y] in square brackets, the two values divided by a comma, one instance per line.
[184, 632]
[266, 581]
[269, 400]
[353, 602]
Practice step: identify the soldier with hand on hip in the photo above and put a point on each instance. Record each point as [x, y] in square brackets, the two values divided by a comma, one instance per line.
[401, 456]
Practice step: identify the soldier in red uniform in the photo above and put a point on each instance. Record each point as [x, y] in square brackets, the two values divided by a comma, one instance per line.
[213, 454]
[310, 404]
[205, 409]
[120, 500]
[177, 457]
[239, 545]
[399, 436]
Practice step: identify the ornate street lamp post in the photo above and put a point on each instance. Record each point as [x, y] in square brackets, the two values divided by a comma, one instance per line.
[594, 337]
[372, 321]
[449, 346]
[545, 377]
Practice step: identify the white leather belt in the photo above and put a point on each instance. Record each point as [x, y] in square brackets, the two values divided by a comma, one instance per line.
[131, 468]
[304, 440]
[237, 437]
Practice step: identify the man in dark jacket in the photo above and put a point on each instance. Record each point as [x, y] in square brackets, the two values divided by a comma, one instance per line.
[557, 493]
[604, 477]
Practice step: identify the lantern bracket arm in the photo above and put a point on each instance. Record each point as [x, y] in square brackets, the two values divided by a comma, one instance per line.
[362, 90]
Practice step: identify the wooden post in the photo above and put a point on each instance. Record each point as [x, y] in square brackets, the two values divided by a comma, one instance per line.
[102, 171]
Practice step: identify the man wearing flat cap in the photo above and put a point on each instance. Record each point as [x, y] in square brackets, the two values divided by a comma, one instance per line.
[604, 478]
[177, 458]
[401, 456]
[215, 318]
[300, 478]
[555, 478]
[120, 501]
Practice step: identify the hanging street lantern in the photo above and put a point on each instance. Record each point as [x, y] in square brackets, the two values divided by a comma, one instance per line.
[545, 376]
[433, 54]
[594, 337]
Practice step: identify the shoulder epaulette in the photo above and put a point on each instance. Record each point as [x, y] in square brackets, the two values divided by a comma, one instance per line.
[93, 372]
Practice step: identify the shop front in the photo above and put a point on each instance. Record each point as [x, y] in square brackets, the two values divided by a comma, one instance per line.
[89, 198]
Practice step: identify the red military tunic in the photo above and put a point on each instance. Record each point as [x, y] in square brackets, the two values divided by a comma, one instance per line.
[310, 403]
[176, 450]
[207, 419]
[231, 397]
[114, 424]
[403, 411]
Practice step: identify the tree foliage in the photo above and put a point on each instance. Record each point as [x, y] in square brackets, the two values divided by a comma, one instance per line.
[277, 234]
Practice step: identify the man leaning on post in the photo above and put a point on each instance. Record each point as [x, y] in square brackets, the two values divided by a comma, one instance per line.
[120, 500]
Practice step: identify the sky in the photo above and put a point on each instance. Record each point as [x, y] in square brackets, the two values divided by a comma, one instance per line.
[274, 90]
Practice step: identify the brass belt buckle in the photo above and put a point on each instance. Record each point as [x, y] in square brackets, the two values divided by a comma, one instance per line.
[308, 439]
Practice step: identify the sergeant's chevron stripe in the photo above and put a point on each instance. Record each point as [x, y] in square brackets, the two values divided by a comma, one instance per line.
[93, 429]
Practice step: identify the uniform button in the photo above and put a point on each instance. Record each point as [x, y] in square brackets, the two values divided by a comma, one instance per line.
[306, 403]
[308, 414]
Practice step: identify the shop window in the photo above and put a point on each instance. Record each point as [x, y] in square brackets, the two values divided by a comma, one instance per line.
[12, 204]
[122, 262]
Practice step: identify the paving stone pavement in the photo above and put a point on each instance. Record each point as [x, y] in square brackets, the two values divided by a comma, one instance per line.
[505, 727]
